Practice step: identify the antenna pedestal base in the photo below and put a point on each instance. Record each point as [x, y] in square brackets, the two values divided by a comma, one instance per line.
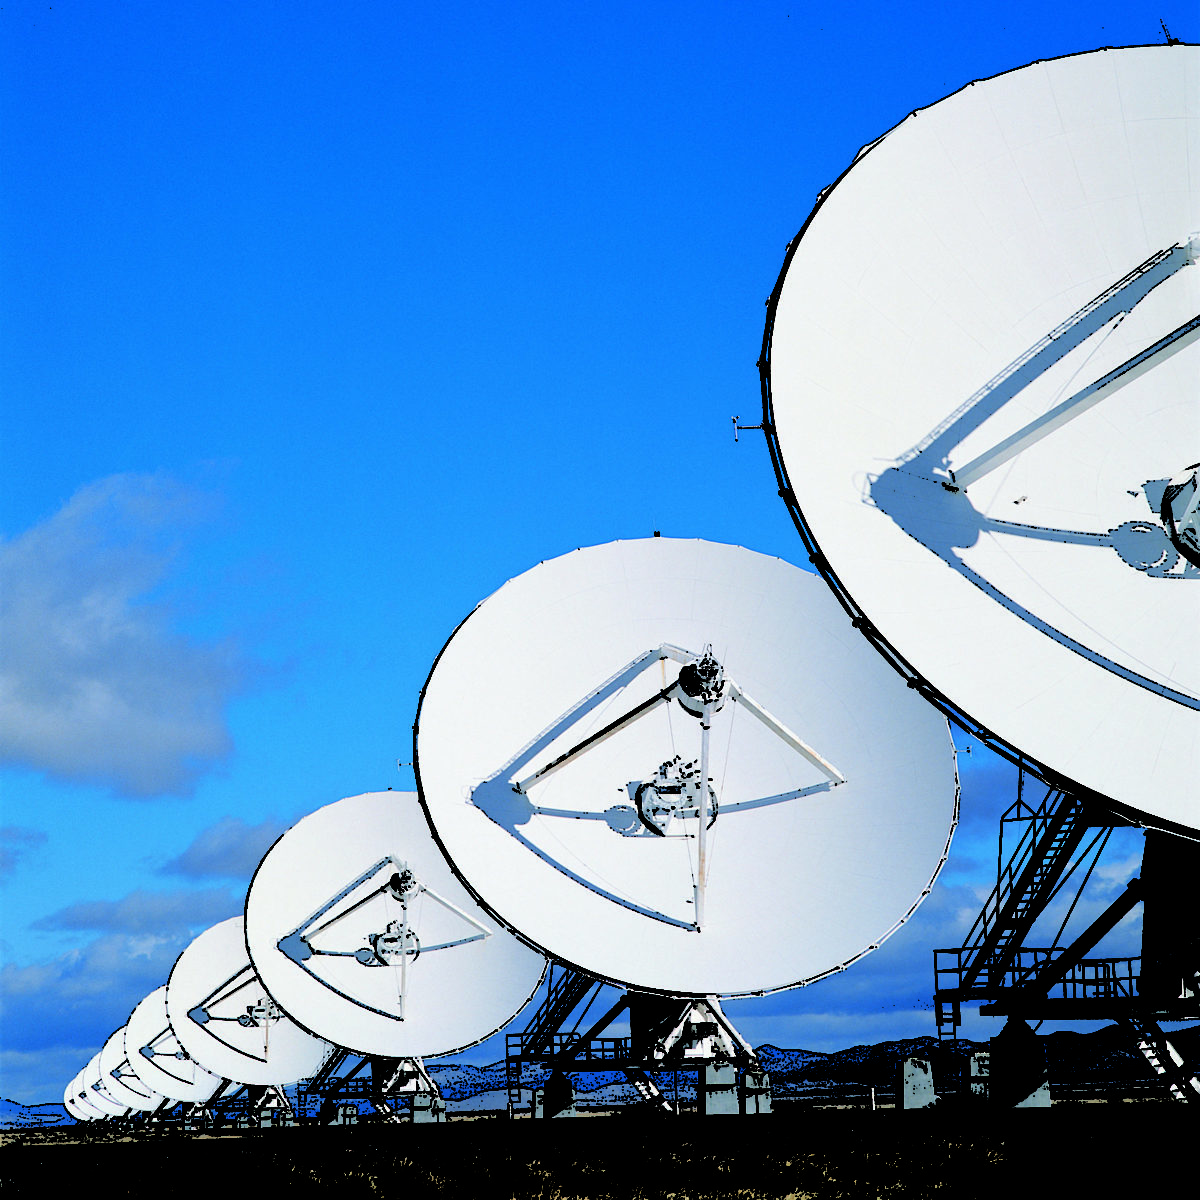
[555, 1099]
[403, 1090]
[398, 1089]
[246, 1106]
[668, 1037]
[1019, 1077]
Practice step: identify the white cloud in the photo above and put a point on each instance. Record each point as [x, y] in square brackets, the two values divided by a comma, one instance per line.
[95, 683]
[81, 996]
[230, 849]
[147, 913]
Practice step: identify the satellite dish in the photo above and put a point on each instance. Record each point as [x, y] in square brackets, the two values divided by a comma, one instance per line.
[358, 927]
[569, 727]
[981, 364]
[120, 1079]
[224, 1018]
[75, 1093]
[75, 1109]
[160, 1060]
[96, 1092]
[76, 1105]
[69, 1101]
[87, 1111]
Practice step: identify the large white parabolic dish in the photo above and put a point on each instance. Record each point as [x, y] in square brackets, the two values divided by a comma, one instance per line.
[76, 1105]
[804, 874]
[982, 378]
[224, 1018]
[97, 1094]
[158, 1057]
[412, 971]
[81, 1108]
[120, 1079]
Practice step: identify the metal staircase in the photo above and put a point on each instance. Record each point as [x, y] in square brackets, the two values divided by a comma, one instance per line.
[565, 991]
[997, 967]
[563, 996]
[648, 1089]
[1053, 831]
[1165, 1061]
[1052, 835]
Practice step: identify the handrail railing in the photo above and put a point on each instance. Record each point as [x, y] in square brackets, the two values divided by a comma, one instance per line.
[520, 1045]
[1088, 979]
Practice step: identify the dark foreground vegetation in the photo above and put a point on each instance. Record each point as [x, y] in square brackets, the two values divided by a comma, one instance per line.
[792, 1152]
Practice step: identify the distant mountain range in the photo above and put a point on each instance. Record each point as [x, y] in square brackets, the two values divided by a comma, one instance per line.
[31, 1116]
[1106, 1056]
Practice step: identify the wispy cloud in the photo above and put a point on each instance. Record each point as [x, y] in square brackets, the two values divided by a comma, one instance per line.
[230, 849]
[15, 842]
[156, 914]
[40, 1076]
[81, 996]
[96, 684]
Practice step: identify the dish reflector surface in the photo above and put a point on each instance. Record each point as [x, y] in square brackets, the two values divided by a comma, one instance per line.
[359, 928]
[96, 1093]
[76, 1109]
[559, 745]
[157, 1056]
[76, 1105]
[982, 371]
[225, 1019]
[119, 1078]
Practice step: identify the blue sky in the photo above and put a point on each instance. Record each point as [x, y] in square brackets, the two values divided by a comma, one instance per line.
[320, 321]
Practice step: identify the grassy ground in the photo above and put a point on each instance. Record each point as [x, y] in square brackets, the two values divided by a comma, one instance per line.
[793, 1154]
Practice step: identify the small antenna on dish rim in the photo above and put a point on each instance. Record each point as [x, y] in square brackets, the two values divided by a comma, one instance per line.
[741, 428]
